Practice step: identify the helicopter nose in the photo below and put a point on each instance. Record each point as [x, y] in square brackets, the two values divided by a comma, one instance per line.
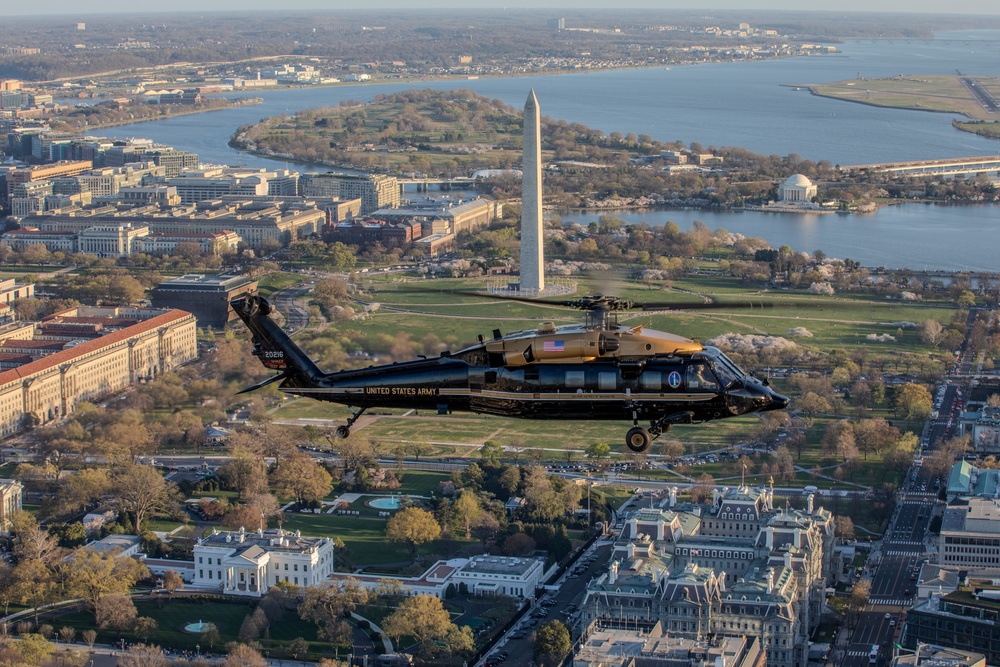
[778, 402]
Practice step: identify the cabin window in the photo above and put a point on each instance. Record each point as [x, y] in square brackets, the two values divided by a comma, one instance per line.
[576, 379]
[607, 381]
[699, 377]
[652, 380]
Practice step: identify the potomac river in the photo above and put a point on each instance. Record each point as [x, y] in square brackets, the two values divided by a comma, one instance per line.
[754, 105]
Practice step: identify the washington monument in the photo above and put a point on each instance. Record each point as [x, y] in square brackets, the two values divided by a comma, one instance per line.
[532, 279]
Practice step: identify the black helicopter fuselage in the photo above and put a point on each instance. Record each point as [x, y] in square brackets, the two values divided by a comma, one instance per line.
[665, 389]
[545, 391]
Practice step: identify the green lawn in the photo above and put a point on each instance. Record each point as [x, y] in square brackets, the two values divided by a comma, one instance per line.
[172, 615]
[365, 538]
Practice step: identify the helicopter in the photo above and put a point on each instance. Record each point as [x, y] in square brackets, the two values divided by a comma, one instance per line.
[596, 369]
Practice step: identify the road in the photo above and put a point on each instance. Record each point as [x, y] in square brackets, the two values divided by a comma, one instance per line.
[894, 582]
[571, 591]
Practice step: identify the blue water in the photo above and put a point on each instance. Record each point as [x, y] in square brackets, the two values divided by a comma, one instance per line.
[753, 105]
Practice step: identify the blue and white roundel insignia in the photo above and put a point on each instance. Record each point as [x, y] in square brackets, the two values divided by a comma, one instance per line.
[674, 379]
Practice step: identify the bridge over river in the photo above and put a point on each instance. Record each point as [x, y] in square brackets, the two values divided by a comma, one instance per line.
[965, 166]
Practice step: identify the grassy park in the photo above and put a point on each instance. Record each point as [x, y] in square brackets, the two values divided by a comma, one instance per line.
[920, 91]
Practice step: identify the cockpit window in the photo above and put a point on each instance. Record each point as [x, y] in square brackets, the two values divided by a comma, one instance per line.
[726, 370]
[699, 377]
[726, 375]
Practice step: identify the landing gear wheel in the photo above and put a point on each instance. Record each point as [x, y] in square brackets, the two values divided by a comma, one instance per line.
[343, 431]
[638, 439]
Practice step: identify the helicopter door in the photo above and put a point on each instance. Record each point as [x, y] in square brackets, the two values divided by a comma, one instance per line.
[698, 377]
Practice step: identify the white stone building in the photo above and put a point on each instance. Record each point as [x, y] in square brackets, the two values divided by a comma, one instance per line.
[481, 575]
[248, 563]
[797, 188]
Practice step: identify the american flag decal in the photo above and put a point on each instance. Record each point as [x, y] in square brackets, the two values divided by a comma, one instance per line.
[553, 346]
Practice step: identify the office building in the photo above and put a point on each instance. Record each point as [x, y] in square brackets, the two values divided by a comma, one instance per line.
[737, 567]
[138, 344]
[374, 190]
[207, 297]
[965, 620]
[11, 493]
[970, 536]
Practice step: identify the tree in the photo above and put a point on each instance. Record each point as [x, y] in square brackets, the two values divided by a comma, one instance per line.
[31, 541]
[466, 510]
[517, 544]
[244, 473]
[844, 528]
[301, 477]
[298, 647]
[811, 404]
[552, 643]
[172, 582]
[327, 605]
[414, 527]
[542, 503]
[671, 449]
[33, 648]
[241, 655]
[139, 490]
[599, 452]
[89, 637]
[33, 584]
[491, 452]
[931, 332]
[422, 617]
[914, 402]
[860, 593]
[244, 516]
[142, 655]
[874, 435]
[94, 575]
[144, 626]
[116, 611]
[702, 491]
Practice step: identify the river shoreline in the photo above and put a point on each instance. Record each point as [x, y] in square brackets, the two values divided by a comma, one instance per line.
[191, 112]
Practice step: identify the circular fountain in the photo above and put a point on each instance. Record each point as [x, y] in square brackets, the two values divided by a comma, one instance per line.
[199, 627]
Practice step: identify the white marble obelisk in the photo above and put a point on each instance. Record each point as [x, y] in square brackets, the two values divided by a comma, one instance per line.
[532, 280]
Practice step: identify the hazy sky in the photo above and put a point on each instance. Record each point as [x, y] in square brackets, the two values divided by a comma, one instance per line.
[82, 7]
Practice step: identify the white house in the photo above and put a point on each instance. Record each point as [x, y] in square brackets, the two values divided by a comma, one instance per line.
[242, 563]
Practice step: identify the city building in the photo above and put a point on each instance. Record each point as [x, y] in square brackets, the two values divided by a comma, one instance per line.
[797, 188]
[609, 647]
[928, 655]
[11, 290]
[249, 562]
[172, 160]
[28, 174]
[965, 620]
[139, 344]
[11, 493]
[444, 216]
[487, 575]
[970, 536]
[114, 240]
[257, 221]
[375, 191]
[119, 546]
[207, 297]
[736, 567]
[365, 232]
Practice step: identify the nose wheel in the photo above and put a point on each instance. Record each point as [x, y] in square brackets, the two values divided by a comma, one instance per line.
[344, 430]
[638, 439]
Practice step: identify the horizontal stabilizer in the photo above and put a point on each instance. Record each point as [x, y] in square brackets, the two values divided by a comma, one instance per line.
[264, 383]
